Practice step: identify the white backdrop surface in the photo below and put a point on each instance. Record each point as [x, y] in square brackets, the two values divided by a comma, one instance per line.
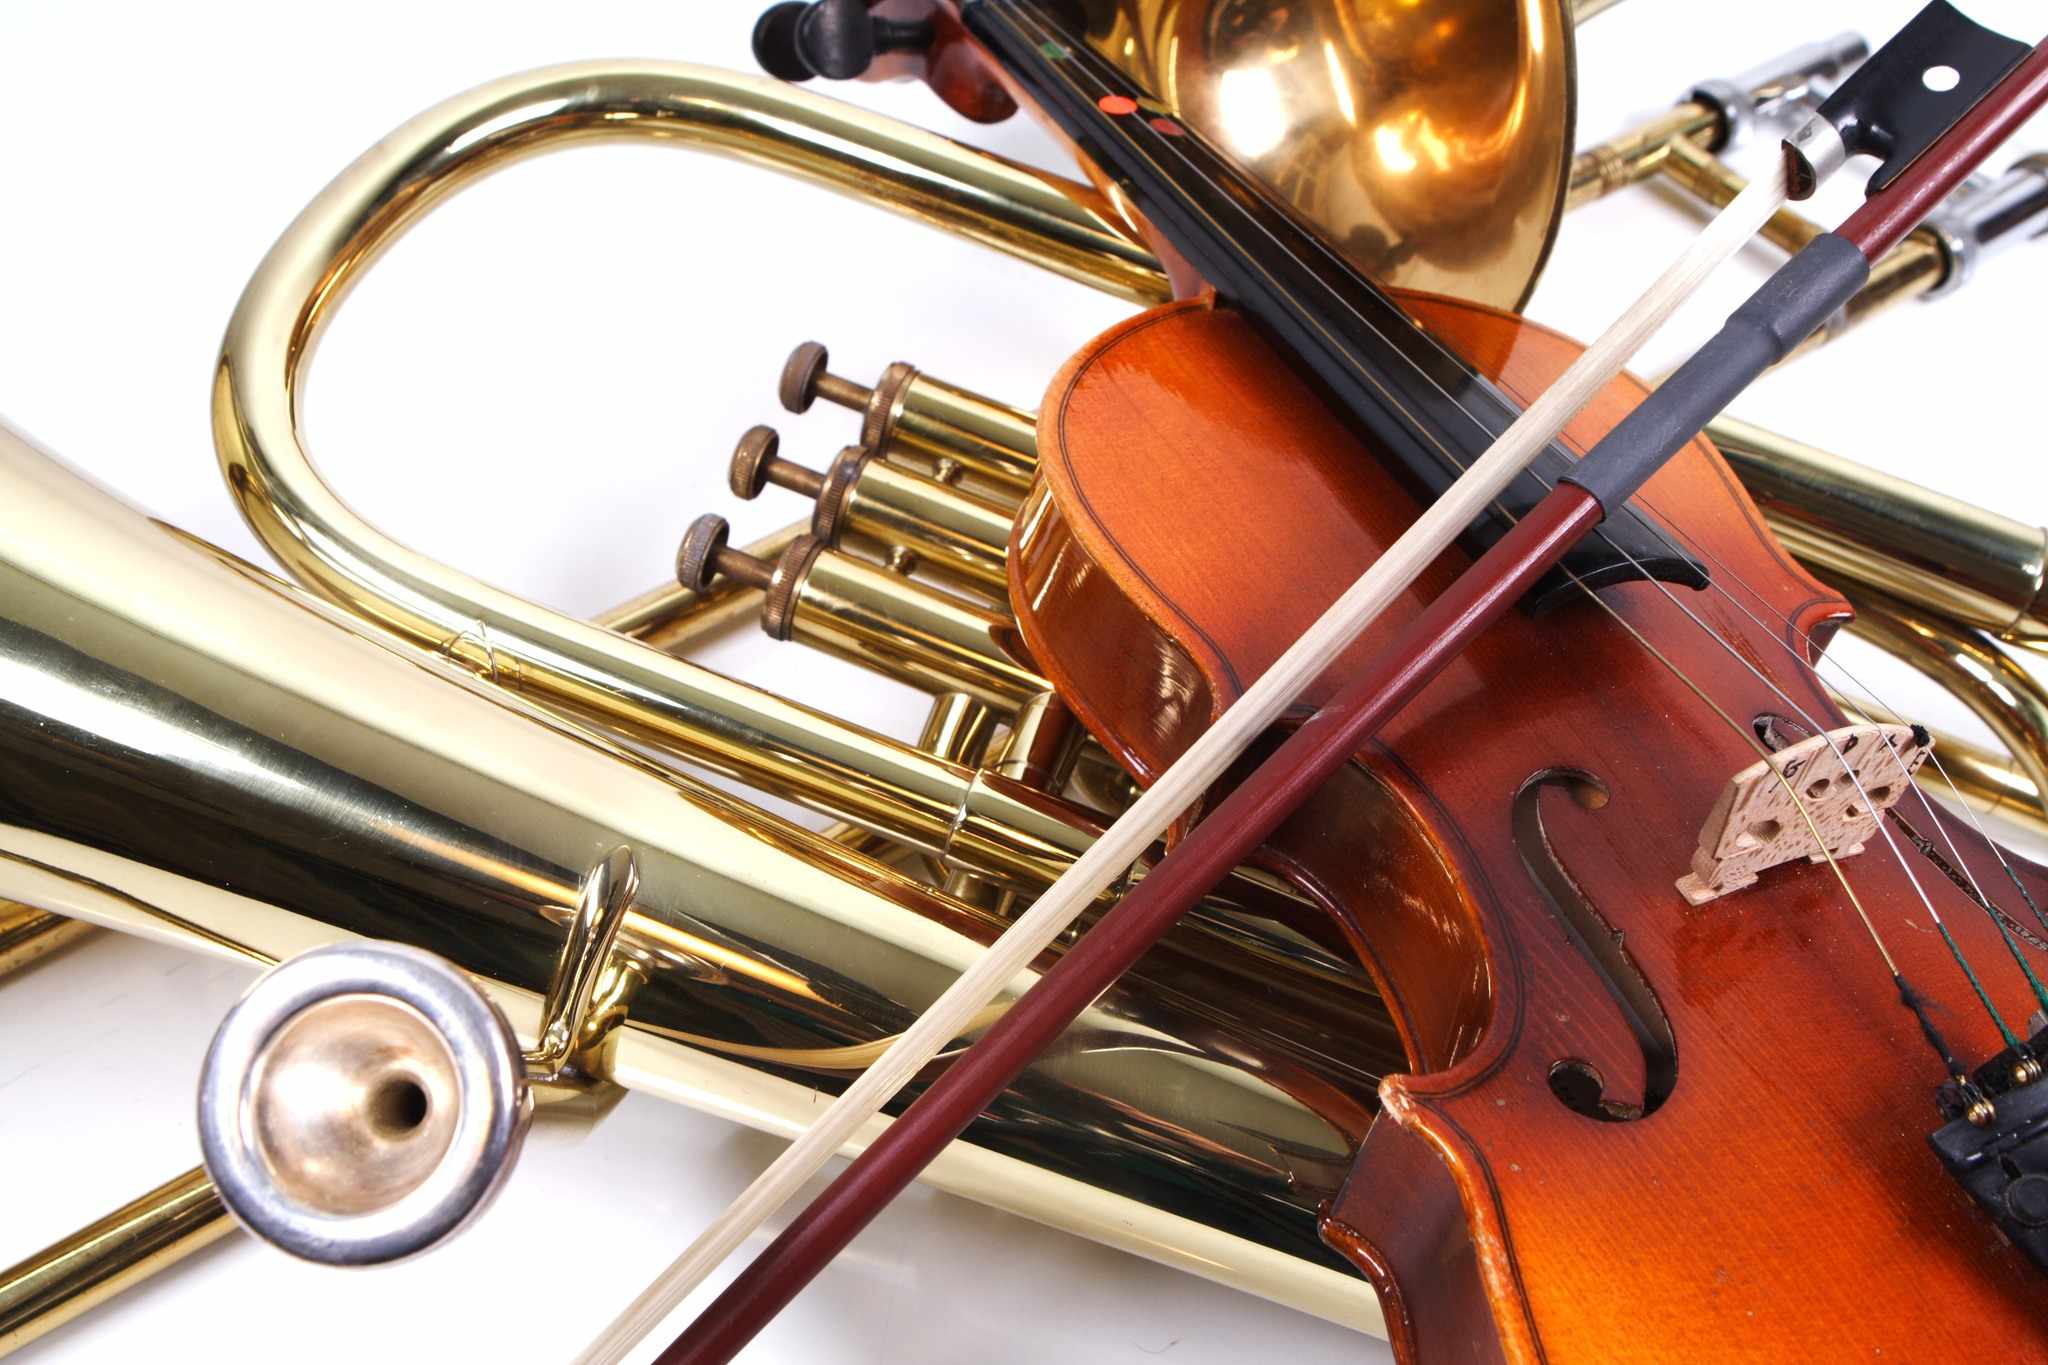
[541, 384]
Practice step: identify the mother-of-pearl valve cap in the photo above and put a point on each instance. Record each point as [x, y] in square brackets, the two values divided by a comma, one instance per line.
[362, 1102]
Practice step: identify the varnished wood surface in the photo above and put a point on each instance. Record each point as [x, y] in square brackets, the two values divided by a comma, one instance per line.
[1198, 509]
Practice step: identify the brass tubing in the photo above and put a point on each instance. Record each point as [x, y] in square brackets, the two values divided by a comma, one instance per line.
[904, 630]
[27, 934]
[99, 1261]
[1910, 270]
[959, 727]
[1852, 523]
[203, 755]
[911, 417]
[1044, 744]
[928, 419]
[1636, 155]
[671, 617]
[1969, 666]
[1985, 781]
[627, 686]
[950, 532]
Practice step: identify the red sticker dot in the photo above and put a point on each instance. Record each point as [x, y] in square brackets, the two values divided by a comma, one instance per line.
[1117, 104]
[1168, 127]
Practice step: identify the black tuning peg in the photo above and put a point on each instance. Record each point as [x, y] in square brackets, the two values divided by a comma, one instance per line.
[836, 39]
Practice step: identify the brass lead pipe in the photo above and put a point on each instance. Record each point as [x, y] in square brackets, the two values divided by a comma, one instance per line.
[635, 690]
[97, 1262]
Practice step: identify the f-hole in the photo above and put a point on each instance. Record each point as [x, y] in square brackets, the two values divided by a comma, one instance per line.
[1577, 1085]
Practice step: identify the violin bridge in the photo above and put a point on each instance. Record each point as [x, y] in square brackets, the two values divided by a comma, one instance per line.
[1759, 823]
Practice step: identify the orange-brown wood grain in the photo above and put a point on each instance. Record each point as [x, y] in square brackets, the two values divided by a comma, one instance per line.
[1199, 507]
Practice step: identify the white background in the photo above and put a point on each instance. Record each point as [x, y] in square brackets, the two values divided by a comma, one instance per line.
[540, 384]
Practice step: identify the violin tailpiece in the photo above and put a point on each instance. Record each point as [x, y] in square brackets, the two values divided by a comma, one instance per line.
[1768, 813]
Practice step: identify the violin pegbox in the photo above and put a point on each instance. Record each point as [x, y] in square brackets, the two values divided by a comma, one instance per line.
[1844, 780]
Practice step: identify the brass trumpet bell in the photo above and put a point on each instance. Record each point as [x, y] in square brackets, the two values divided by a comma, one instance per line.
[1430, 140]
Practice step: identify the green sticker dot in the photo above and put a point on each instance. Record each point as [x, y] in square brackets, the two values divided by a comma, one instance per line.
[1053, 51]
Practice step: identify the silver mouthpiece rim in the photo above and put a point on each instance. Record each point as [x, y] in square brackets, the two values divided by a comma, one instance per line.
[350, 1202]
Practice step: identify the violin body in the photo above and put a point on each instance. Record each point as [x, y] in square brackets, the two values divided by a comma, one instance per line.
[1633, 1127]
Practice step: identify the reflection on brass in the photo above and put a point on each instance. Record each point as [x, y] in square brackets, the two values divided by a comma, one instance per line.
[1967, 664]
[912, 418]
[1911, 269]
[204, 756]
[1044, 744]
[1638, 154]
[97, 1262]
[1428, 139]
[672, 617]
[1984, 781]
[952, 533]
[933, 424]
[959, 727]
[904, 630]
[1854, 524]
[27, 934]
[974, 821]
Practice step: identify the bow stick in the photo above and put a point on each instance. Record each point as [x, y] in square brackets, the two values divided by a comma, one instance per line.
[1789, 307]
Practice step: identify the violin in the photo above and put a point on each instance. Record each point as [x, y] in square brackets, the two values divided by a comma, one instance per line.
[1643, 1112]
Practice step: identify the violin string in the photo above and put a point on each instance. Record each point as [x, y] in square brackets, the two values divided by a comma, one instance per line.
[1969, 882]
[1078, 59]
[1955, 949]
[1909, 997]
[1178, 145]
[1825, 660]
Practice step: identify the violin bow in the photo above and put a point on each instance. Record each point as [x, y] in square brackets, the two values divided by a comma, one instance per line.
[1929, 145]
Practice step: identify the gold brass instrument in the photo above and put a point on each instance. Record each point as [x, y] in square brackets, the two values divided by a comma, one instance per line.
[213, 758]
[1430, 143]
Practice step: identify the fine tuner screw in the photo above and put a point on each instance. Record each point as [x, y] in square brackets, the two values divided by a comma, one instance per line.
[755, 465]
[805, 380]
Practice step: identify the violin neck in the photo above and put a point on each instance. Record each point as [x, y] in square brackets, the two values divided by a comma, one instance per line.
[1417, 404]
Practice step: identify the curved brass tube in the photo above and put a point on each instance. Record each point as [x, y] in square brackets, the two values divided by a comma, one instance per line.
[973, 821]
[1985, 781]
[1969, 665]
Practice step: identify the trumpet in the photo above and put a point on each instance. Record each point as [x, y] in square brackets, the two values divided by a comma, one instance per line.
[378, 748]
